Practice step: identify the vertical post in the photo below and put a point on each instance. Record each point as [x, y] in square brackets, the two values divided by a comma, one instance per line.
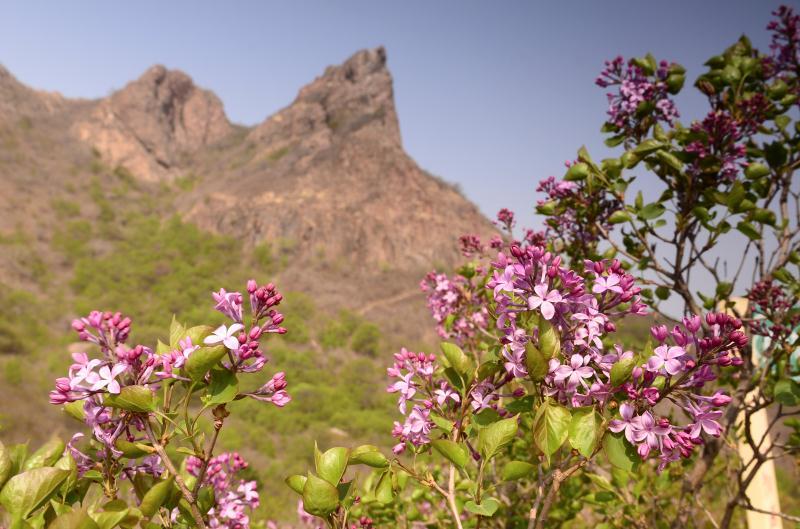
[763, 490]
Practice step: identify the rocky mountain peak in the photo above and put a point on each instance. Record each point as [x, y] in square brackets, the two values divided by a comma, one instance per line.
[354, 99]
[149, 124]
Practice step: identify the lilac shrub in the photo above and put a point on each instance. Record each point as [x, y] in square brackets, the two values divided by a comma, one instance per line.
[145, 408]
[536, 409]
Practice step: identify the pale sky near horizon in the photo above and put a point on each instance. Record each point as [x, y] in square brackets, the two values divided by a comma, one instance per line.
[493, 96]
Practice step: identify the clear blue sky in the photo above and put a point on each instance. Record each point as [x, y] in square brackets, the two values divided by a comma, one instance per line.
[491, 95]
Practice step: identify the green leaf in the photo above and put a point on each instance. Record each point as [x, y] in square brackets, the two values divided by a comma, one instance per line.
[670, 160]
[46, 455]
[26, 492]
[748, 229]
[577, 171]
[332, 463]
[516, 470]
[536, 363]
[296, 483]
[522, 405]
[647, 146]
[320, 498]
[486, 508]
[620, 453]
[442, 423]
[619, 216]
[584, 430]
[133, 450]
[132, 398]
[75, 410]
[775, 153]
[162, 348]
[176, 332]
[546, 208]
[756, 170]
[222, 389]
[5, 465]
[368, 455]
[724, 289]
[495, 436]
[787, 392]
[485, 417]
[651, 211]
[67, 462]
[764, 216]
[549, 339]
[454, 452]
[675, 83]
[198, 333]
[458, 360]
[202, 360]
[550, 427]
[110, 519]
[701, 213]
[621, 371]
[77, 519]
[384, 491]
[155, 497]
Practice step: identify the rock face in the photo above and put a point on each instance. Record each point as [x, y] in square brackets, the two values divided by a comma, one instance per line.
[326, 176]
[344, 100]
[329, 174]
[154, 122]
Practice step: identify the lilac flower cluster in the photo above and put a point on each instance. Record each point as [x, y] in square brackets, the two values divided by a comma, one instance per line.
[233, 498]
[636, 91]
[785, 43]
[566, 221]
[505, 219]
[686, 359]
[92, 381]
[454, 304]
[776, 317]
[535, 280]
[243, 342]
[716, 149]
[416, 385]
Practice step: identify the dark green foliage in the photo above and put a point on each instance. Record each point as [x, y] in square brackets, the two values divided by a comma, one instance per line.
[20, 317]
[158, 269]
[366, 339]
[336, 332]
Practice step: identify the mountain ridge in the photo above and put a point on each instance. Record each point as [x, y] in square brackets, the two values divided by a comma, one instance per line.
[327, 174]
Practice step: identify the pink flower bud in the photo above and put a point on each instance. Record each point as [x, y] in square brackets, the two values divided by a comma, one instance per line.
[680, 338]
[692, 323]
[252, 286]
[720, 399]
[78, 325]
[659, 332]
[255, 333]
[62, 384]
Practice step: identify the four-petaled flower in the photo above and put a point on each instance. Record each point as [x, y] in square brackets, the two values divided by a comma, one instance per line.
[544, 300]
[705, 419]
[226, 336]
[629, 423]
[667, 358]
[607, 284]
[106, 378]
[575, 372]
